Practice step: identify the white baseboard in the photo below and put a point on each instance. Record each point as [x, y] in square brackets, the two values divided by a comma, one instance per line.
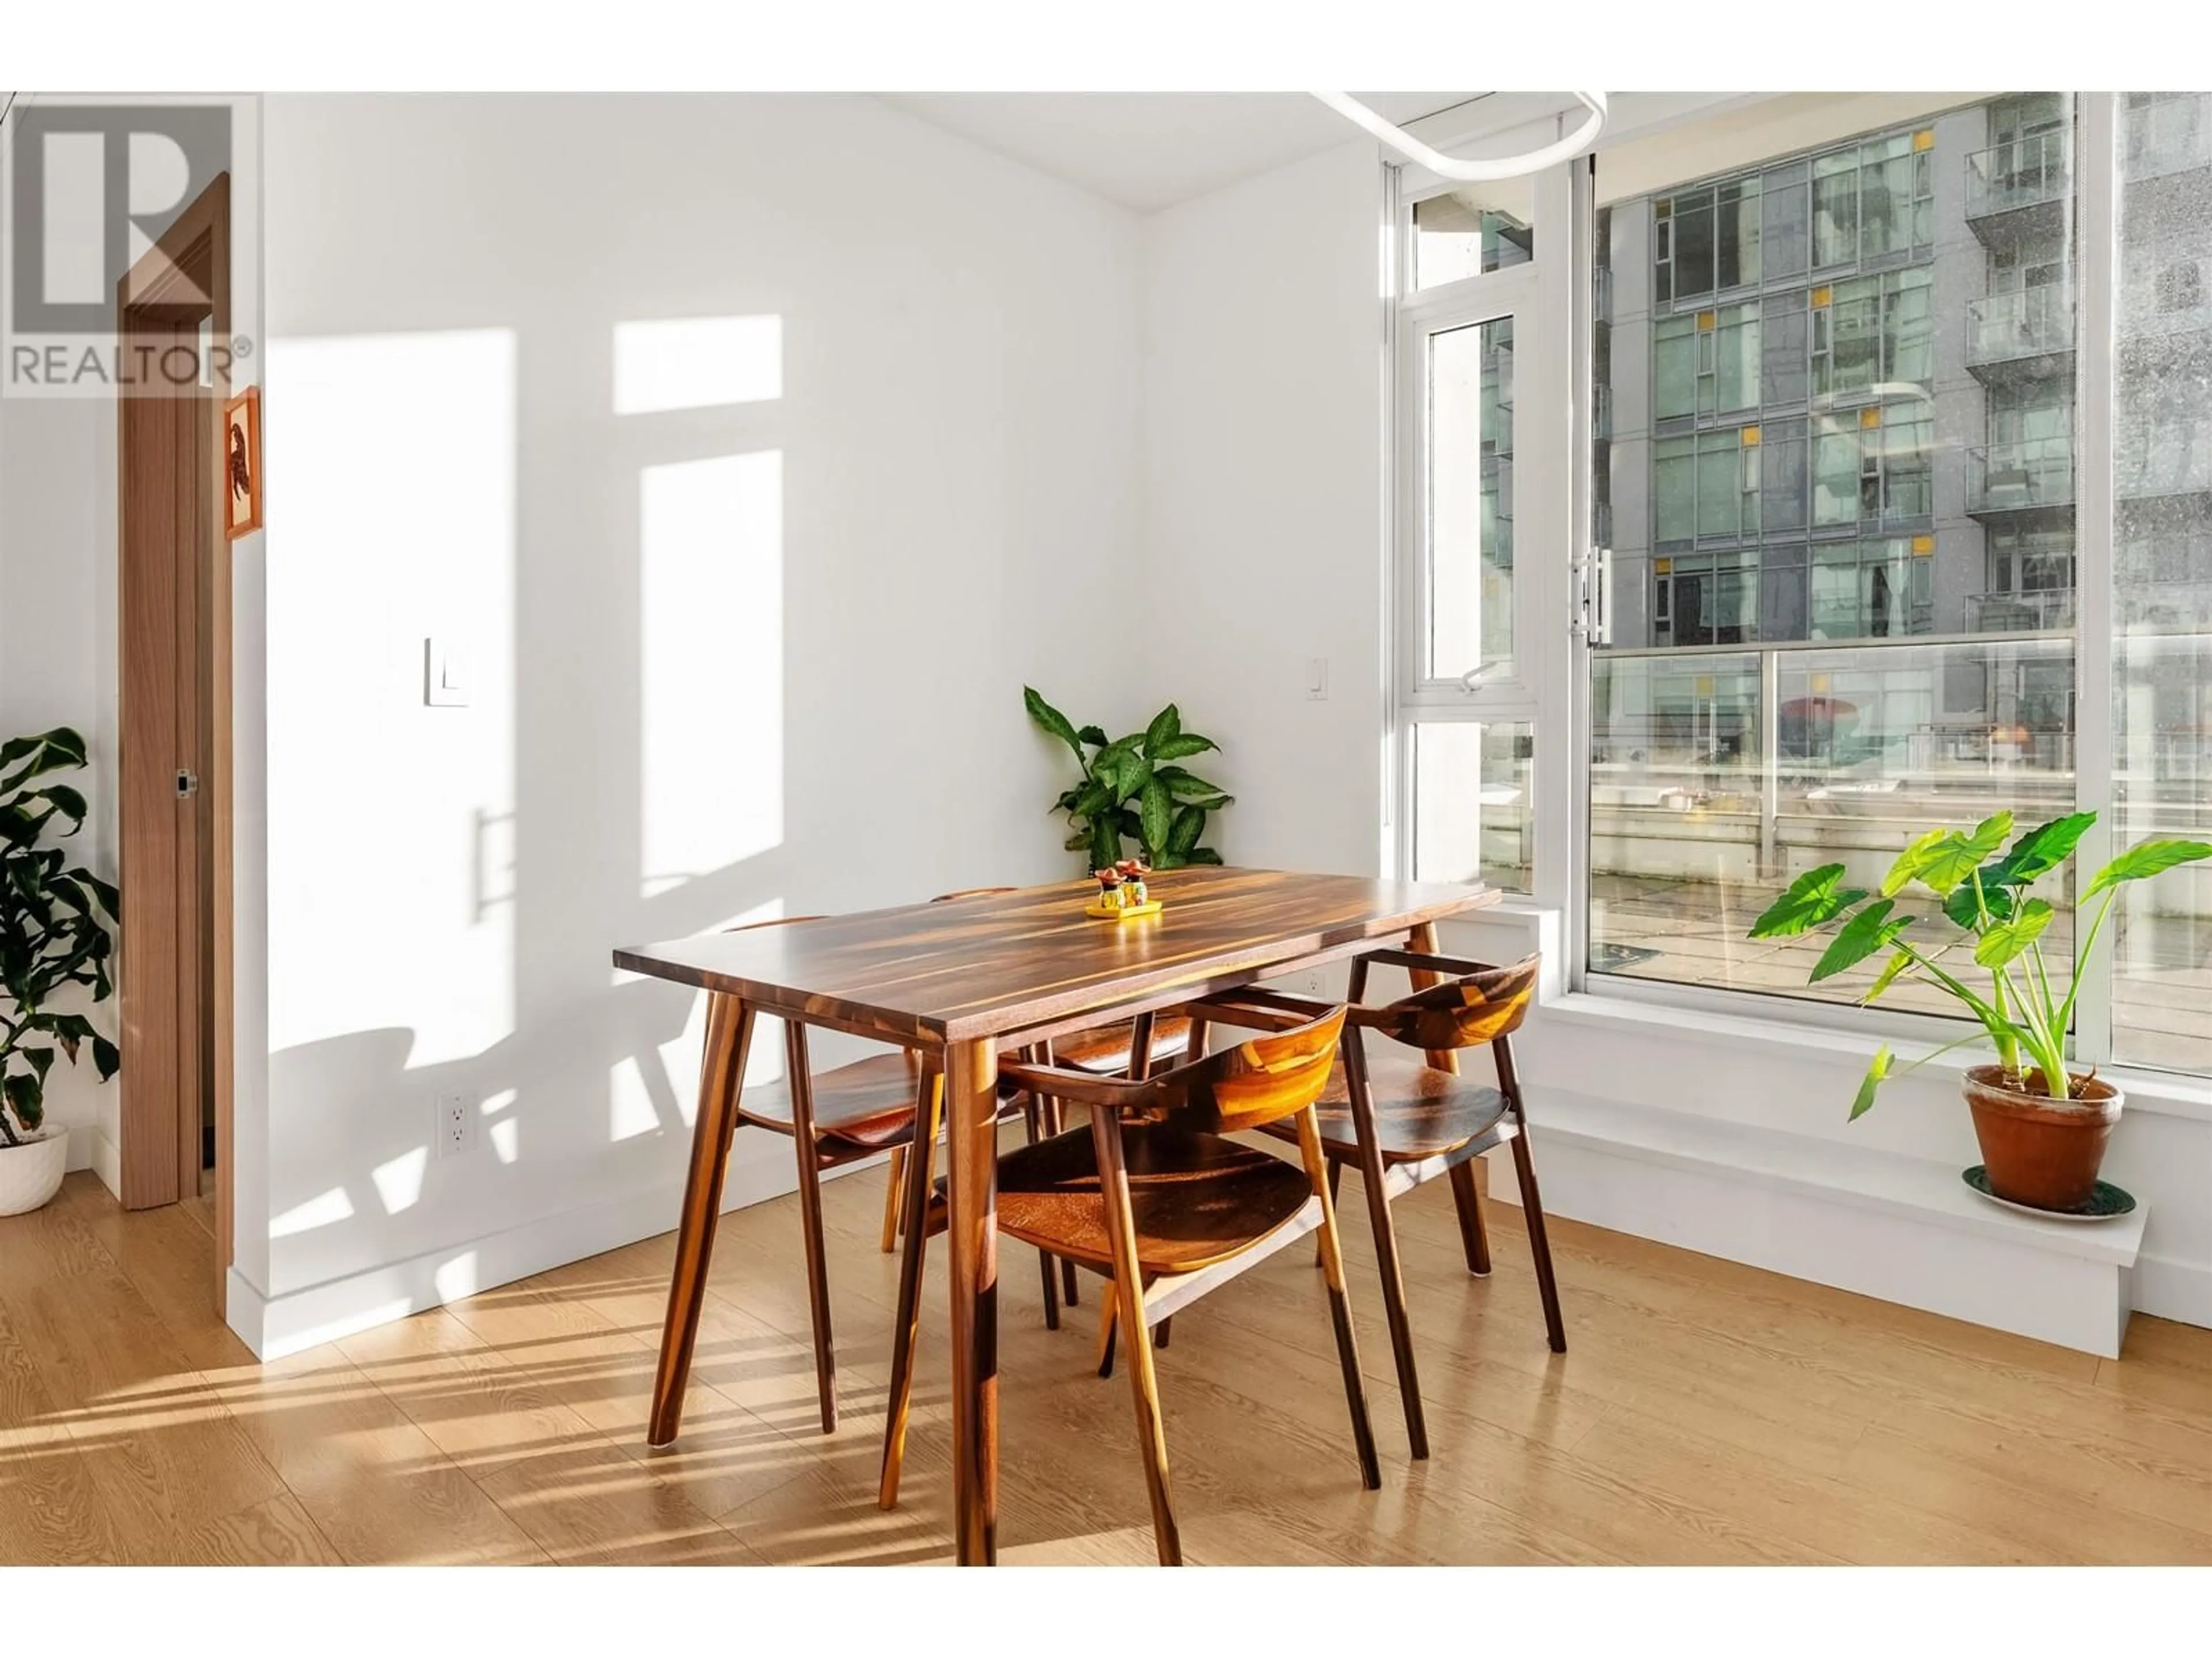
[90, 1148]
[1902, 1229]
[274, 1327]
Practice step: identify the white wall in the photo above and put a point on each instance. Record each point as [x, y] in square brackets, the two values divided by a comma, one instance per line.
[830, 596]
[1262, 452]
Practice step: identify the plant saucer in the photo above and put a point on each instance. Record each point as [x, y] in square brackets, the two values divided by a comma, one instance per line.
[2107, 1203]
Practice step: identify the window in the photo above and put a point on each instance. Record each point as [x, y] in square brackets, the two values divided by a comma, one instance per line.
[1798, 679]
[2161, 1012]
[1465, 740]
[1464, 232]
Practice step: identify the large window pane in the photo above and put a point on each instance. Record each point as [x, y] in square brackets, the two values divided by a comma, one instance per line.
[1469, 485]
[1473, 803]
[2162, 594]
[1891, 465]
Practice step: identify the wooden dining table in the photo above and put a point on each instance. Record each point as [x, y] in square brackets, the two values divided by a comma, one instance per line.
[964, 980]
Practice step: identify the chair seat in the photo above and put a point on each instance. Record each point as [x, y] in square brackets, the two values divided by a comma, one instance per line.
[868, 1105]
[1196, 1199]
[1420, 1111]
[1105, 1049]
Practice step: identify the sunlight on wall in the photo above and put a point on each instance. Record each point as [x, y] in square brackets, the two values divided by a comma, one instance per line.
[630, 1108]
[710, 535]
[399, 1183]
[697, 362]
[505, 1133]
[392, 481]
[320, 1211]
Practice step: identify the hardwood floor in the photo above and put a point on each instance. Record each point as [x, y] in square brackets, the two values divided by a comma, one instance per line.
[1706, 1413]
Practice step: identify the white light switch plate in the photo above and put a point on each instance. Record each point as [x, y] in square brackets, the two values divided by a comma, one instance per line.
[445, 686]
[1317, 678]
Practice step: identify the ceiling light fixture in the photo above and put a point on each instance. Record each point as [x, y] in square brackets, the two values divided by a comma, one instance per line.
[1473, 172]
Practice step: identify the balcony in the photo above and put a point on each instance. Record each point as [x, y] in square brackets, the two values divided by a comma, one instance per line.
[2172, 136]
[2009, 334]
[2039, 610]
[2015, 190]
[2032, 475]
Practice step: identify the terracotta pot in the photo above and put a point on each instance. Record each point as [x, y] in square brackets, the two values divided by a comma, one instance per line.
[2041, 1152]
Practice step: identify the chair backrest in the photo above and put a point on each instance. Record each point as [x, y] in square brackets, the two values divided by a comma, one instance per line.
[1465, 1012]
[1260, 1080]
[971, 892]
[773, 921]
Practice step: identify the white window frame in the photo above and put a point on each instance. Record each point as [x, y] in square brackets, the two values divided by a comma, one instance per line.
[1557, 596]
[1533, 296]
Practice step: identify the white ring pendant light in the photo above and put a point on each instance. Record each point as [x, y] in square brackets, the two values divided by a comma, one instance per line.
[1473, 172]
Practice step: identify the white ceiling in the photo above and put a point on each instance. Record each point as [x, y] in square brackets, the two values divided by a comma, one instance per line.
[1148, 150]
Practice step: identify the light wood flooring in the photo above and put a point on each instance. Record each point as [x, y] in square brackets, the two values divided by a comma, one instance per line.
[1706, 1413]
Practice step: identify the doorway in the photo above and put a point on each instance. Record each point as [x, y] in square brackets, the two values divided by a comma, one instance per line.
[172, 602]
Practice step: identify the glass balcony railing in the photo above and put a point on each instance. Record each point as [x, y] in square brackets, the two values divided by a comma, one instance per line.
[2024, 173]
[2174, 135]
[2031, 322]
[2038, 611]
[1716, 775]
[2013, 477]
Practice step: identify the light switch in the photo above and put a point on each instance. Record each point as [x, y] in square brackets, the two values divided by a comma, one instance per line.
[1317, 678]
[444, 683]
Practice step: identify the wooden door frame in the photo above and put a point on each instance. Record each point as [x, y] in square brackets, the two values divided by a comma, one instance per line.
[182, 280]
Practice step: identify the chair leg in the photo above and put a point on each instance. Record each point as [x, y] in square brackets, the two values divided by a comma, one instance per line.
[1372, 1176]
[1055, 1121]
[1129, 1293]
[1160, 1334]
[1540, 1246]
[810, 1220]
[1340, 1302]
[1473, 1235]
[893, 1210]
[907, 1333]
[1107, 1322]
[1335, 1181]
[1045, 1263]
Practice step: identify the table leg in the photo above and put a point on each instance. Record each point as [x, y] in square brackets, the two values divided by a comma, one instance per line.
[721, 1074]
[1473, 1234]
[1423, 941]
[971, 1160]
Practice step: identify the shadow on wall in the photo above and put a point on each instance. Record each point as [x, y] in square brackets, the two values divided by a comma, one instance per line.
[498, 747]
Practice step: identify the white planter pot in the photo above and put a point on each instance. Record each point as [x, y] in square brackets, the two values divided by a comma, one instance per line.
[32, 1173]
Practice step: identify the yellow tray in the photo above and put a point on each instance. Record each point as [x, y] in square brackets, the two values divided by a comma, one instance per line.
[1101, 913]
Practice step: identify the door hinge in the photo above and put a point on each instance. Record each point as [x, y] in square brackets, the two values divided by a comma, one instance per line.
[188, 785]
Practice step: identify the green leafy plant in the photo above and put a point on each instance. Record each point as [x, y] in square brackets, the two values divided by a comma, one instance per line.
[1133, 787]
[51, 931]
[1983, 893]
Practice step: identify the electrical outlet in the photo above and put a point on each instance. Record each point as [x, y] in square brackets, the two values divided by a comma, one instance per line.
[459, 1126]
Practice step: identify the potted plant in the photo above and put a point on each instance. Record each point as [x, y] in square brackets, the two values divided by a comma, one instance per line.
[55, 932]
[1132, 786]
[2042, 1125]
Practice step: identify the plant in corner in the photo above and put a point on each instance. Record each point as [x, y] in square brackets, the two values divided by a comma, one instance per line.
[53, 935]
[2042, 1126]
[1133, 787]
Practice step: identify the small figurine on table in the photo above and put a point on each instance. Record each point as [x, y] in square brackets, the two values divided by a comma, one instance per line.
[1110, 895]
[1132, 873]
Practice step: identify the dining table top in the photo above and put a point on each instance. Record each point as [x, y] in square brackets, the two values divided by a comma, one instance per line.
[995, 963]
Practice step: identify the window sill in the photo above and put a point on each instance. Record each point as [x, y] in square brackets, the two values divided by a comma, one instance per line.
[2162, 1093]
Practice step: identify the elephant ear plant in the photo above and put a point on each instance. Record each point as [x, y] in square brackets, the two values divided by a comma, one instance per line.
[1983, 888]
[52, 934]
[1133, 787]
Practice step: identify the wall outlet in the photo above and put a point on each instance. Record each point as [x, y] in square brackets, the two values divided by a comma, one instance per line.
[459, 1126]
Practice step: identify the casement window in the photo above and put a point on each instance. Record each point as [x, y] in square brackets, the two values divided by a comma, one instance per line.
[1886, 501]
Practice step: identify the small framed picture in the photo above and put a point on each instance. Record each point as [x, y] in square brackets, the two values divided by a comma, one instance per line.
[241, 463]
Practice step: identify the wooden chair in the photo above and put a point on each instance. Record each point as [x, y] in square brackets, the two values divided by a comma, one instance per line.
[1103, 1052]
[1403, 1119]
[841, 1116]
[1155, 1195]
